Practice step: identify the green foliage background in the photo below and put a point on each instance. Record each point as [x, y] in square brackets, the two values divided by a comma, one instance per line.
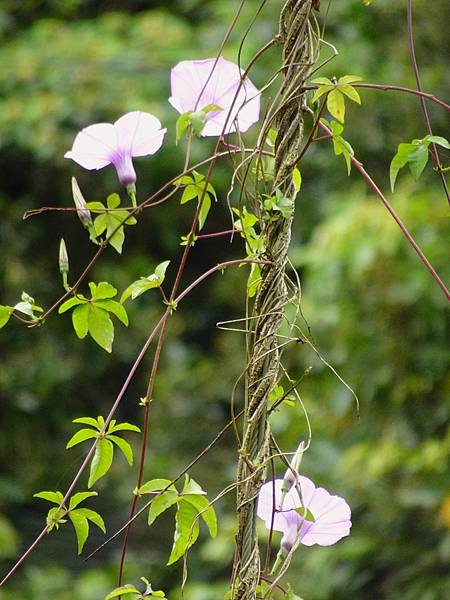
[373, 310]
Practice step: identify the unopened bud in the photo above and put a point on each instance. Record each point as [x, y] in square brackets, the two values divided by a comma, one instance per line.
[290, 477]
[63, 257]
[80, 203]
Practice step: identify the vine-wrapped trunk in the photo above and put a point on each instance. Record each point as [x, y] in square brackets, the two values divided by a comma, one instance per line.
[263, 367]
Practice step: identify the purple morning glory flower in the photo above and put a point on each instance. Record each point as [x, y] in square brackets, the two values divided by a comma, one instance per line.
[196, 84]
[326, 519]
[135, 134]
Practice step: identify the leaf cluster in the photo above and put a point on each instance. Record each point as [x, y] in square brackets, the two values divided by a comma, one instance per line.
[79, 517]
[104, 450]
[196, 187]
[191, 504]
[93, 315]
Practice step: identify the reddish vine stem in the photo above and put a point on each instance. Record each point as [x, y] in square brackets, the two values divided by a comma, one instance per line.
[359, 166]
[433, 148]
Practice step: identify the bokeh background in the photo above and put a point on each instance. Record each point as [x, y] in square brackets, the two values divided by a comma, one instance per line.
[373, 311]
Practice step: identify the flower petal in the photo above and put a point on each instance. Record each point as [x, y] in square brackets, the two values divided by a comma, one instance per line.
[94, 146]
[282, 519]
[139, 133]
[332, 519]
[197, 83]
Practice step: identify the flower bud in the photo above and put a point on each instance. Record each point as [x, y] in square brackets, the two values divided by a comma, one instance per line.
[290, 476]
[80, 203]
[63, 257]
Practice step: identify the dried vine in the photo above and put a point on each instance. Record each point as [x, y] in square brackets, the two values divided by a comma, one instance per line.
[296, 37]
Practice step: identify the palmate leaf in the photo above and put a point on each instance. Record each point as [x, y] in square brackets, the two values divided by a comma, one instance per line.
[102, 461]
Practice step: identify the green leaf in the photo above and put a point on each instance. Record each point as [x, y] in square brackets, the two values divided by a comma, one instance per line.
[123, 590]
[94, 517]
[350, 92]
[71, 302]
[124, 446]
[399, 161]
[204, 210]
[182, 124]
[80, 322]
[186, 530]
[305, 513]
[88, 421]
[204, 509]
[113, 222]
[349, 79]
[101, 462]
[5, 313]
[417, 160]
[322, 81]
[323, 89]
[197, 120]
[101, 328]
[161, 503]
[189, 192]
[103, 291]
[95, 207]
[160, 270]
[81, 526]
[254, 280]
[440, 141]
[114, 307]
[336, 105]
[79, 497]
[123, 427]
[191, 487]
[113, 200]
[155, 485]
[81, 436]
[55, 497]
[297, 180]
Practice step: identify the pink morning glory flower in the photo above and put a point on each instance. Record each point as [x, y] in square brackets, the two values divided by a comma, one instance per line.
[135, 134]
[320, 519]
[196, 84]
